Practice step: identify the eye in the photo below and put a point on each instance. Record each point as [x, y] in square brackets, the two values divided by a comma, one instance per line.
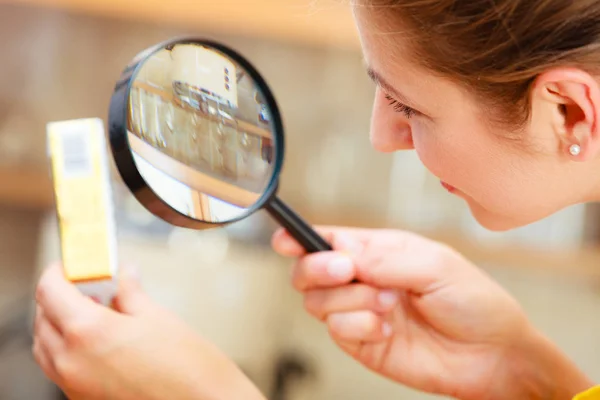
[399, 107]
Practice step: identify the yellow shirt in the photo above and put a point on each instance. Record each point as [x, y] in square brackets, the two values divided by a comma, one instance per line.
[592, 394]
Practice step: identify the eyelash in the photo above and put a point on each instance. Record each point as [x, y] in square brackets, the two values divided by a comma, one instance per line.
[399, 107]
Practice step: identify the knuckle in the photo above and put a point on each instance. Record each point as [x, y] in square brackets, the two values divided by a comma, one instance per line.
[366, 296]
[43, 285]
[65, 367]
[440, 258]
[321, 303]
[359, 297]
[41, 292]
[297, 277]
[371, 265]
[335, 333]
[36, 327]
[313, 303]
[36, 352]
[334, 327]
[303, 274]
[310, 305]
[79, 333]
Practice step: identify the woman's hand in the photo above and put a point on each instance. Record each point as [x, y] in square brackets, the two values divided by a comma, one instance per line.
[137, 351]
[424, 316]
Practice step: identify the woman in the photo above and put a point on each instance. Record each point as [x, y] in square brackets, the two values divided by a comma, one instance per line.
[500, 99]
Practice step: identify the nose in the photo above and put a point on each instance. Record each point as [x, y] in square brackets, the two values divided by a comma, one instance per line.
[390, 130]
[389, 139]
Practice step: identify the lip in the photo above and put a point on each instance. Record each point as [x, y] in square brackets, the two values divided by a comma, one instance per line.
[448, 187]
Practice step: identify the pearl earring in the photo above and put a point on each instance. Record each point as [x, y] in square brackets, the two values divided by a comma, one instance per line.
[575, 149]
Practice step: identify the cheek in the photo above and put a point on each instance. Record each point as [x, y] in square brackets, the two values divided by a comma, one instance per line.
[437, 151]
[463, 159]
[502, 187]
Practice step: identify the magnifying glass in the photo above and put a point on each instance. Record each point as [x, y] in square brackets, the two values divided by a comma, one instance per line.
[198, 138]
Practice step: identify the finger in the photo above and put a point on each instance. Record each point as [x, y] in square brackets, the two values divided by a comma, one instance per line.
[284, 244]
[351, 347]
[61, 301]
[322, 302]
[370, 354]
[320, 270]
[43, 359]
[415, 269]
[47, 335]
[131, 298]
[358, 326]
[345, 239]
[384, 258]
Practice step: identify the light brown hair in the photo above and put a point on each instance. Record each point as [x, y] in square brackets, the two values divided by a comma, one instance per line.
[497, 48]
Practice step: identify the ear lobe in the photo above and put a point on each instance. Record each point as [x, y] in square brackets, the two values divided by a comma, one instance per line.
[589, 143]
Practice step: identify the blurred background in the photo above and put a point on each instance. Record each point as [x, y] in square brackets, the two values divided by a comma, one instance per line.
[60, 61]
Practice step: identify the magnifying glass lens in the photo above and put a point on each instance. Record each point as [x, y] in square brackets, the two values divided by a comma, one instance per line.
[201, 134]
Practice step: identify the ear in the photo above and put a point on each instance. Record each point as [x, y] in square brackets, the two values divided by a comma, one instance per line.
[574, 98]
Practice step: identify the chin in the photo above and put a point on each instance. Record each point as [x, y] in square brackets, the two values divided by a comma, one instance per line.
[509, 218]
[495, 224]
[499, 223]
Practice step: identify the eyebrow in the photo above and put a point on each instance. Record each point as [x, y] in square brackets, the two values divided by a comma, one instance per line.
[381, 82]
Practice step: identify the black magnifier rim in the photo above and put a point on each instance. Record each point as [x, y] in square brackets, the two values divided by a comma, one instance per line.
[121, 150]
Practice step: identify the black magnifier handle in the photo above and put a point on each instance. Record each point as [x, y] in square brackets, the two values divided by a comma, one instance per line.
[297, 227]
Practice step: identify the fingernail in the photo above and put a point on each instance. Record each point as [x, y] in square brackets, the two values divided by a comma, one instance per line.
[386, 329]
[341, 268]
[96, 299]
[388, 298]
[341, 322]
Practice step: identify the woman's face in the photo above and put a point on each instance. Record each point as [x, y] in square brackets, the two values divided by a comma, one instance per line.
[506, 183]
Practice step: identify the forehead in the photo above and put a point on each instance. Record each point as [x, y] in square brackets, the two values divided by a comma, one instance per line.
[385, 45]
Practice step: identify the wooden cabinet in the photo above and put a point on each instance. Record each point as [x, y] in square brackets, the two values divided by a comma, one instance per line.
[58, 66]
[322, 22]
[25, 187]
[53, 89]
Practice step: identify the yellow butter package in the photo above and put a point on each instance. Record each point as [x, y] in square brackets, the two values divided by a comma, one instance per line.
[84, 205]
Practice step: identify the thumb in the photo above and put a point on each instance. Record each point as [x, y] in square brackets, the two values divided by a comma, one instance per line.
[347, 242]
[415, 271]
[131, 297]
